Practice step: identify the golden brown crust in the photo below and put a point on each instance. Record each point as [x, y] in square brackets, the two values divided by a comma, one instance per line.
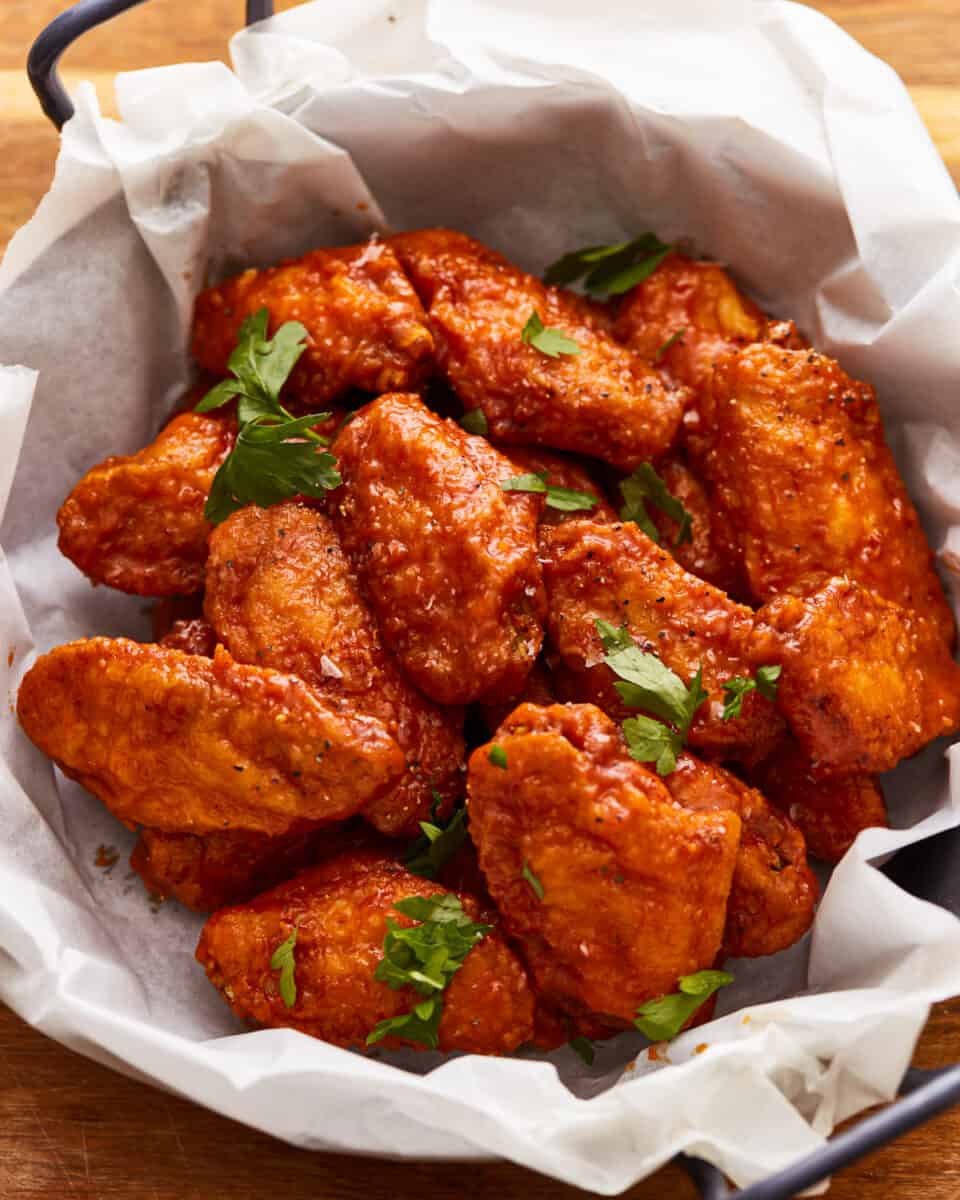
[281, 594]
[447, 559]
[340, 911]
[634, 887]
[798, 465]
[196, 745]
[605, 402]
[829, 812]
[865, 682]
[774, 892]
[365, 326]
[617, 574]
[136, 523]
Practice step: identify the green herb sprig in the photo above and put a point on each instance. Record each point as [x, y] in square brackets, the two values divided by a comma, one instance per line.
[551, 342]
[611, 270]
[535, 885]
[662, 1019]
[425, 956]
[764, 682]
[431, 852]
[283, 961]
[475, 421]
[646, 485]
[560, 498]
[671, 341]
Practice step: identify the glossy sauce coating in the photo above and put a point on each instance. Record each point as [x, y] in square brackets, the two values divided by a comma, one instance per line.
[774, 892]
[446, 558]
[136, 523]
[634, 887]
[865, 683]
[340, 911]
[198, 745]
[617, 574]
[798, 464]
[281, 594]
[605, 401]
[365, 326]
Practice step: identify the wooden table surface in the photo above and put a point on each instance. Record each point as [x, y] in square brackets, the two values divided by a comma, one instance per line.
[72, 1129]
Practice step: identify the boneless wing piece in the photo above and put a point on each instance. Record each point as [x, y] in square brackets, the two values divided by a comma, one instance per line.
[197, 745]
[829, 812]
[605, 401]
[366, 329]
[136, 523]
[798, 465]
[616, 574]
[340, 912]
[281, 594]
[865, 682]
[446, 558]
[634, 887]
[774, 892]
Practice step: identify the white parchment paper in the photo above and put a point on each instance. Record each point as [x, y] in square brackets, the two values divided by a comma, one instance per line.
[758, 131]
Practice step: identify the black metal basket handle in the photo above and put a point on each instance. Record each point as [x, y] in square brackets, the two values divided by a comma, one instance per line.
[45, 53]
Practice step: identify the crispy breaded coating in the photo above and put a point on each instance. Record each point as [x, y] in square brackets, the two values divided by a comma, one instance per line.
[798, 466]
[447, 559]
[340, 912]
[365, 326]
[281, 594]
[136, 523]
[196, 745]
[634, 887]
[605, 401]
[194, 635]
[564, 472]
[865, 682]
[617, 574]
[829, 812]
[774, 892]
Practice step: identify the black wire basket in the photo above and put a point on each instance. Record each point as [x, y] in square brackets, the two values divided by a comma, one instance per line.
[929, 870]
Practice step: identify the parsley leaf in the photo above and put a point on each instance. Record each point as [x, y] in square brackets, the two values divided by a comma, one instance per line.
[425, 957]
[643, 485]
[275, 455]
[282, 961]
[662, 1019]
[646, 682]
[611, 270]
[552, 342]
[560, 498]
[671, 341]
[475, 421]
[584, 1047]
[431, 852]
[534, 882]
[498, 756]
[764, 682]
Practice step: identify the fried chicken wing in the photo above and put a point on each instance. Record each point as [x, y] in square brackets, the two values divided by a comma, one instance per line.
[281, 594]
[340, 913]
[604, 401]
[774, 892]
[829, 812]
[634, 887]
[865, 682]
[615, 573]
[798, 466]
[196, 745]
[447, 559]
[562, 471]
[136, 523]
[365, 326]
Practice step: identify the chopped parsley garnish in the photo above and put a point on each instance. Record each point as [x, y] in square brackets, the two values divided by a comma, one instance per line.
[643, 485]
[498, 756]
[645, 682]
[563, 499]
[584, 1047]
[431, 852]
[474, 421]
[276, 455]
[552, 342]
[662, 1019]
[671, 341]
[764, 682]
[534, 882]
[283, 961]
[425, 957]
[611, 270]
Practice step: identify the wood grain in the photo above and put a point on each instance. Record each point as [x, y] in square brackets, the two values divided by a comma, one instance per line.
[71, 1129]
